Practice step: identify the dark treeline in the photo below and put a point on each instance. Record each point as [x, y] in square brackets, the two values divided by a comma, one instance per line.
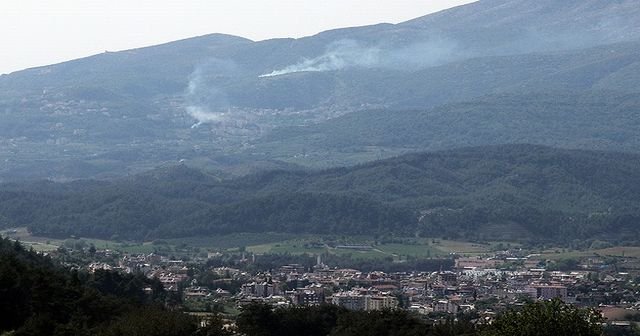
[535, 319]
[39, 297]
[510, 192]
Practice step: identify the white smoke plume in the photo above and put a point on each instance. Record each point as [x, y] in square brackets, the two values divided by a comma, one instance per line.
[346, 54]
[206, 103]
[203, 116]
[339, 55]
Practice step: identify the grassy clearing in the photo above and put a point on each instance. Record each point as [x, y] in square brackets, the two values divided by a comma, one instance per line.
[295, 249]
[137, 248]
[369, 254]
[311, 244]
[421, 250]
[316, 245]
[44, 244]
[39, 244]
[462, 248]
[618, 251]
[39, 247]
[558, 254]
[292, 246]
[230, 241]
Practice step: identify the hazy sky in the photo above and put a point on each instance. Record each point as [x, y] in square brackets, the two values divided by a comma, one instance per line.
[41, 32]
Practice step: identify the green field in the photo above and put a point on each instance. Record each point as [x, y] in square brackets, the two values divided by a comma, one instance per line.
[419, 248]
[279, 243]
[261, 243]
[40, 244]
[231, 241]
[618, 251]
[44, 244]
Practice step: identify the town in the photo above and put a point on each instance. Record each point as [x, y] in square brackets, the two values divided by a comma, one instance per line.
[475, 286]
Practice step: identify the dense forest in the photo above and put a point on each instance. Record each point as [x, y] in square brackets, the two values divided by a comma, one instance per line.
[40, 297]
[594, 119]
[558, 319]
[509, 191]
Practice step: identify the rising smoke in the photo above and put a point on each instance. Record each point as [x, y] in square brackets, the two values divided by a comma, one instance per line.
[346, 54]
[206, 102]
[339, 55]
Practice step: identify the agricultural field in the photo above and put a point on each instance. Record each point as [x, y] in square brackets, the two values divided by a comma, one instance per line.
[40, 244]
[45, 244]
[631, 252]
[361, 247]
[356, 247]
[231, 241]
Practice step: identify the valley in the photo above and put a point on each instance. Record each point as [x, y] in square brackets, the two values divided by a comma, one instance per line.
[474, 171]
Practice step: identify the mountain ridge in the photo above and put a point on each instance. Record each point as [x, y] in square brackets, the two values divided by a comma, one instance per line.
[208, 99]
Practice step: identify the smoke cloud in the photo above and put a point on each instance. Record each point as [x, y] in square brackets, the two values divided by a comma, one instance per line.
[346, 54]
[339, 55]
[206, 102]
[204, 116]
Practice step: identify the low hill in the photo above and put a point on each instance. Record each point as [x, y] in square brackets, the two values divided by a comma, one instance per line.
[509, 191]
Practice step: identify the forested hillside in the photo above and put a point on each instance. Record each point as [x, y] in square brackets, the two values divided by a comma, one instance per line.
[39, 297]
[602, 120]
[509, 191]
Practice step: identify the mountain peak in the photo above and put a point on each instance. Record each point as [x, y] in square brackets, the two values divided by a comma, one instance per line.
[605, 20]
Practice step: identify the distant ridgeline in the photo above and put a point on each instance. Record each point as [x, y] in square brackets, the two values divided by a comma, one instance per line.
[548, 72]
[522, 192]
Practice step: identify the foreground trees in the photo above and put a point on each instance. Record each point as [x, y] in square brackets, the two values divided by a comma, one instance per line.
[40, 297]
[547, 318]
[535, 319]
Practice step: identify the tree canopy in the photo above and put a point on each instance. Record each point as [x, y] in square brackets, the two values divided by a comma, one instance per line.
[547, 318]
[505, 192]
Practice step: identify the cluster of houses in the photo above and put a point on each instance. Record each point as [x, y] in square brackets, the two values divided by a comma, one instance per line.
[475, 284]
[448, 291]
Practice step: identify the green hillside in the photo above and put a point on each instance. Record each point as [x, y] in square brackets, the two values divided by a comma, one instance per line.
[601, 120]
[511, 191]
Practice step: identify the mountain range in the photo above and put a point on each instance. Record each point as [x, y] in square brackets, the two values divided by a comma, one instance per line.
[560, 73]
